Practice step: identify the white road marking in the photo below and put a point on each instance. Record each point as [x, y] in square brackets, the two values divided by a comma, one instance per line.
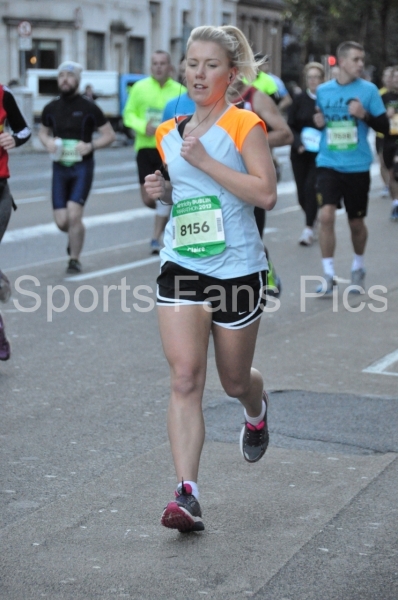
[381, 365]
[115, 168]
[89, 253]
[25, 233]
[283, 211]
[19, 201]
[116, 269]
[284, 188]
[95, 191]
[116, 188]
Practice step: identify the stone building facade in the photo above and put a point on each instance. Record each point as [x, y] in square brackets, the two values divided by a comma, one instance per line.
[120, 35]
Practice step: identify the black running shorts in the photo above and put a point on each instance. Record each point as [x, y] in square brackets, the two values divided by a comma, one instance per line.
[352, 188]
[148, 161]
[234, 303]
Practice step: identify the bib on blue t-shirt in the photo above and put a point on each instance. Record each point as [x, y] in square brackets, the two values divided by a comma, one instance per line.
[344, 145]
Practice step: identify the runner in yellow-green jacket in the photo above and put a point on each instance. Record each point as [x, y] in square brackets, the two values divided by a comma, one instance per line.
[143, 113]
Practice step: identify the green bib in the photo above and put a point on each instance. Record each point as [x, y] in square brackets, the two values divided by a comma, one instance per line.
[70, 155]
[342, 135]
[198, 228]
[154, 116]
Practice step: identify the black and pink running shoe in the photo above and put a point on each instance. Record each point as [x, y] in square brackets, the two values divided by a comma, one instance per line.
[184, 512]
[254, 439]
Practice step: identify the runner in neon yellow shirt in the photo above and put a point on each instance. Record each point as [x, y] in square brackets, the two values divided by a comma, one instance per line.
[143, 113]
[266, 84]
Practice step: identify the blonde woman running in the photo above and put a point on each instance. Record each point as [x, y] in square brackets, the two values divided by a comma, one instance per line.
[213, 265]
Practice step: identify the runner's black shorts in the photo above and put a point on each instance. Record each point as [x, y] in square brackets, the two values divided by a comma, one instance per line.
[353, 188]
[72, 183]
[390, 150]
[148, 161]
[234, 303]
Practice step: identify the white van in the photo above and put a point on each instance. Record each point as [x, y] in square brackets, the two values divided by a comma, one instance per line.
[43, 85]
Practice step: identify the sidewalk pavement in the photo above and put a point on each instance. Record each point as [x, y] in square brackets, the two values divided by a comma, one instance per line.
[106, 541]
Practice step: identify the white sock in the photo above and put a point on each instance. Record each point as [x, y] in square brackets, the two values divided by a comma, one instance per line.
[194, 486]
[328, 266]
[256, 420]
[395, 202]
[358, 262]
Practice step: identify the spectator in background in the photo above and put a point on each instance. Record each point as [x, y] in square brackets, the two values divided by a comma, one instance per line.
[305, 147]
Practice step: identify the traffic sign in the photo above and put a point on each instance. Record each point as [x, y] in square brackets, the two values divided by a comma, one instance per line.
[24, 29]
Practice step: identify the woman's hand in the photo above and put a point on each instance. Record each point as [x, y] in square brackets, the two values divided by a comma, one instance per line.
[155, 185]
[192, 150]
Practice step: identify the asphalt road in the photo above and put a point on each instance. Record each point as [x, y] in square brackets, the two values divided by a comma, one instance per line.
[85, 467]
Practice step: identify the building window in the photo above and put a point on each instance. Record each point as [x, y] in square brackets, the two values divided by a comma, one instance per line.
[95, 51]
[226, 18]
[154, 9]
[45, 54]
[136, 55]
[186, 30]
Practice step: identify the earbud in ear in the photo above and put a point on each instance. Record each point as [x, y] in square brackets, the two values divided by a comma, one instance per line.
[230, 76]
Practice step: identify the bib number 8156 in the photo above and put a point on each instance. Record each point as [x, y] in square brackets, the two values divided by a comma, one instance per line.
[194, 228]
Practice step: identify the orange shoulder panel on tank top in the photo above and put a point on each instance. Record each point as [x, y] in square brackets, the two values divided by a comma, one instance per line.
[161, 131]
[238, 122]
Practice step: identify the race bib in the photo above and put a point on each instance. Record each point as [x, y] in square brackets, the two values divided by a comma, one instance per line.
[154, 115]
[342, 135]
[70, 155]
[311, 138]
[198, 228]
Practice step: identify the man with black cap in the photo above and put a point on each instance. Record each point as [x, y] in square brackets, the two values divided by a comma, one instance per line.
[67, 127]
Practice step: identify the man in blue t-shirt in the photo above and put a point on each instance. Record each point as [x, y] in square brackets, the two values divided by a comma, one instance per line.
[182, 105]
[348, 106]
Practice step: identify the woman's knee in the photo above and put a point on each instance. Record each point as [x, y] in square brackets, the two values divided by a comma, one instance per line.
[186, 381]
[235, 388]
